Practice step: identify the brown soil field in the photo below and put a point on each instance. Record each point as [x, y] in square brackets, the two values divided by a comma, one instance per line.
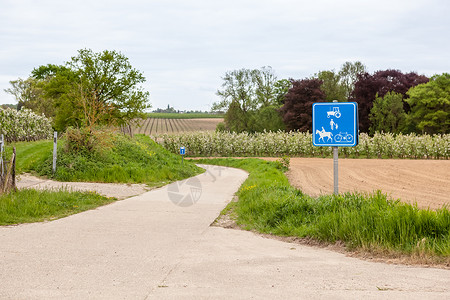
[154, 126]
[426, 182]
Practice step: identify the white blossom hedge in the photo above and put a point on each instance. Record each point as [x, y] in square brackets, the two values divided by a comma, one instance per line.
[24, 125]
[381, 145]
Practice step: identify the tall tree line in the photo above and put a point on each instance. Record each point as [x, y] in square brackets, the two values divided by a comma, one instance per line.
[388, 100]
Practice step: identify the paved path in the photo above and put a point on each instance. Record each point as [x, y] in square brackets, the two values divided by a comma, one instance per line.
[146, 247]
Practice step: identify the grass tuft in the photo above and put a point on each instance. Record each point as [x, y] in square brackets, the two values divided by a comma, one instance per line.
[28, 205]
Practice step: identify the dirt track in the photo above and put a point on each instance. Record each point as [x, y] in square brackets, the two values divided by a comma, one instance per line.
[424, 181]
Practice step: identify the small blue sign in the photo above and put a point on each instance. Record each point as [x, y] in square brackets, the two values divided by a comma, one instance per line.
[335, 124]
[182, 150]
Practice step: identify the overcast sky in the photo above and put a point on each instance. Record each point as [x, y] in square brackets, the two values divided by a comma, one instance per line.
[185, 47]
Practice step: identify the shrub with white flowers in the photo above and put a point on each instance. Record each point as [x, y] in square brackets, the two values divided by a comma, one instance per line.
[24, 125]
[381, 145]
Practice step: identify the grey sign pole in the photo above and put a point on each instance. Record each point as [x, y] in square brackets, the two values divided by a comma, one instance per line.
[335, 125]
[335, 170]
[335, 167]
[55, 139]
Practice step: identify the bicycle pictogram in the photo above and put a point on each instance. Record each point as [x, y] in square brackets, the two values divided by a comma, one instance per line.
[343, 137]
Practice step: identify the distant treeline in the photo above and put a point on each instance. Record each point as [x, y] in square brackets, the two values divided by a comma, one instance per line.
[12, 106]
[184, 115]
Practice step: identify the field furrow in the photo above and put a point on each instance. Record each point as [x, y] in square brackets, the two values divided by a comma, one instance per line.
[147, 123]
[151, 127]
[176, 126]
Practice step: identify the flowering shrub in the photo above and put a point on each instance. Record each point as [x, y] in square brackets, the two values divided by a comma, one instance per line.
[24, 125]
[381, 145]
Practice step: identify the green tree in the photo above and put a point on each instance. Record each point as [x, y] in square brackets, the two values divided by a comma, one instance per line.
[387, 114]
[235, 118]
[264, 81]
[109, 87]
[281, 88]
[245, 92]
[61, 90]
[28, 94]
[267, 118]
[339, 86]
[430, 106]
[91, 89]
[48, 71]
[238, 95]
[349, 75]
[331, 86]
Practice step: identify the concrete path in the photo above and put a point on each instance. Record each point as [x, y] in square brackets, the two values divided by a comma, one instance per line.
[159, 245]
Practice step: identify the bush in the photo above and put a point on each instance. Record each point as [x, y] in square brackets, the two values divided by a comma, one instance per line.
[221, 127]
[83, 140]
[24, 125]
[293, 143]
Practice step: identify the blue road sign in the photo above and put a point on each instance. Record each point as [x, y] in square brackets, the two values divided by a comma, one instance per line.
[335, 124]
[182, 150]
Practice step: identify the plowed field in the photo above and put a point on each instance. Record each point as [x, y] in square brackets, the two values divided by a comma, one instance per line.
[426, 182]
[153, 126]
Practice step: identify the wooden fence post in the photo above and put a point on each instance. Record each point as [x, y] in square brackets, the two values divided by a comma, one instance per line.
[1, 155]
[9, 173]
[13, 173]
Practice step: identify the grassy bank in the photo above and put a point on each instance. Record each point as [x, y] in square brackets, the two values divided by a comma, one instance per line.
[26, 206]
[30, 154]
[267, 203]
[104, 157]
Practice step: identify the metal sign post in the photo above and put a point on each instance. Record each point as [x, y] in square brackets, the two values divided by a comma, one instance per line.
[55, 144]
[335, 170]
[182, 153]
[335, 124]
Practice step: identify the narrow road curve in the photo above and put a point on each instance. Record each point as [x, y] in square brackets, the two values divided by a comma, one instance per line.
[160, 245]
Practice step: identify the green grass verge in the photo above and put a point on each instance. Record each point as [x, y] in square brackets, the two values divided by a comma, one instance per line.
[116, 159]
[269, 204]
[30, 154]
[28, 205]
[184, 116]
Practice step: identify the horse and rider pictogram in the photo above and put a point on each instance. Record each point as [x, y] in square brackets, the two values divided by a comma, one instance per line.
[323, 134]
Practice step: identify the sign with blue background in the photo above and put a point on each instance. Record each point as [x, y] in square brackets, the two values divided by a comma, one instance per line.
[335, 124]
[182, 150]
